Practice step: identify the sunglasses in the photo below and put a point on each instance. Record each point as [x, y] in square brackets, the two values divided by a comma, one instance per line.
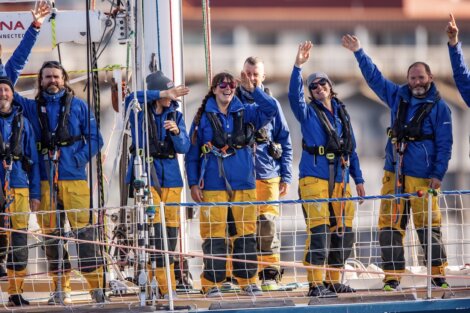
[223, 85]
[321, 82]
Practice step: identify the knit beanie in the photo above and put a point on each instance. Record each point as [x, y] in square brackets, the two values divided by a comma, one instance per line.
[158, 81]
[4, 79]
[317, 75]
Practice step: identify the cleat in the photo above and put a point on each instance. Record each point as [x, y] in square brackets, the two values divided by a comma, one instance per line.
[98, 296]
[17, 300]
[392, 285]
[440, 282]
[59, 297]
[252, 290]
[321, 291]
[214, 292]
[270, 285]
[340, 288]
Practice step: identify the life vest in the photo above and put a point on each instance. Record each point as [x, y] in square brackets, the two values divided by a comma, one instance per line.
[13, 149]
[161, 149]
[336, 145]
[403, 131]
[60, 137]
[241, 136]
[261, 135]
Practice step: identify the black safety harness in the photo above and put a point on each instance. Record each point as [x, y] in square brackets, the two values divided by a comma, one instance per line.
[403, 132]
[224, 144]
[261, 135]
[60, 137]
[11, 151]
[337, 146]
[158, 149]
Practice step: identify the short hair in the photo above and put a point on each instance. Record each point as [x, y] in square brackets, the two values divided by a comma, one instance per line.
[426, 67]
[253, 60]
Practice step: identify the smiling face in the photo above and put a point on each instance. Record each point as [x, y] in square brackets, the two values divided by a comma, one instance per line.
[52, 80]
[320, 89]
[224, 91]
[6, 97]
[419, 80]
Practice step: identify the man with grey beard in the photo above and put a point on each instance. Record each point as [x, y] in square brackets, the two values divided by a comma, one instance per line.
[417, 156]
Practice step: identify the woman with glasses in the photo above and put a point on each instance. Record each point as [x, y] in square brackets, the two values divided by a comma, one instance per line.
[328, 158]
[220, 168]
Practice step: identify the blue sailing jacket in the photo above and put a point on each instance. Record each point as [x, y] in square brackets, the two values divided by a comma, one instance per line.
[314, 134]
[461, 71]
[74, 158]
[425, 158]
[239, 168]
[168, 170]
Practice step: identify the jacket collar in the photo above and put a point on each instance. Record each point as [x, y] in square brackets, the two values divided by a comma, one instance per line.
[234, 106]
[53, 97]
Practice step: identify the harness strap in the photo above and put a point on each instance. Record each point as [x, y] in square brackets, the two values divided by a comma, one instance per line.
[154, 176]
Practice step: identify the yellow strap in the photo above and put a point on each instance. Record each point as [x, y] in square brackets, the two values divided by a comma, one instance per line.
[106, 68]
[54, 35]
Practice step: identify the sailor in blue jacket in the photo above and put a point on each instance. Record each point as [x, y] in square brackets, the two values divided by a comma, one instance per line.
[328, 158]
[417, 156]
[223, 130]
[67, 137]
[273, 176]
[167, 137]
[12, 70]
[459, 67]
[19, 176]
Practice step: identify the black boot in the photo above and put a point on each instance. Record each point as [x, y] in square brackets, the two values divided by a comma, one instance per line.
[3, 271]
[18, 300]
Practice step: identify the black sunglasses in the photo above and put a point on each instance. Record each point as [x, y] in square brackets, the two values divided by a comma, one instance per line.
[321, 82]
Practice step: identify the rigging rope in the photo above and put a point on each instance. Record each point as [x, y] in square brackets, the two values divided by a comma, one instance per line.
[207, 39]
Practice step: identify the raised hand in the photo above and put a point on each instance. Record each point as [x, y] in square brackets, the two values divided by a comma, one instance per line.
[246, 82]
[42, 10]
[452, 31]
[351, 42]
[175, 92]
[303, 53]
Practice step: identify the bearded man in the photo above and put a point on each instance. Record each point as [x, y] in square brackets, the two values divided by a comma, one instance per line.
[417, 156]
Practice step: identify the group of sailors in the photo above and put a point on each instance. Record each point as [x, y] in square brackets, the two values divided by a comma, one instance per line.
[238, 149]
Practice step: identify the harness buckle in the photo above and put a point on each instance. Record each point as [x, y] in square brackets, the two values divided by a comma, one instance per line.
[206, 148]
[321, 151]
[140, 152]
[330, 156]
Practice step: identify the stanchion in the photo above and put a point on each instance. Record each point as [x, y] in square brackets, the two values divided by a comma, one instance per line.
[167, 257]
[431, 193]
